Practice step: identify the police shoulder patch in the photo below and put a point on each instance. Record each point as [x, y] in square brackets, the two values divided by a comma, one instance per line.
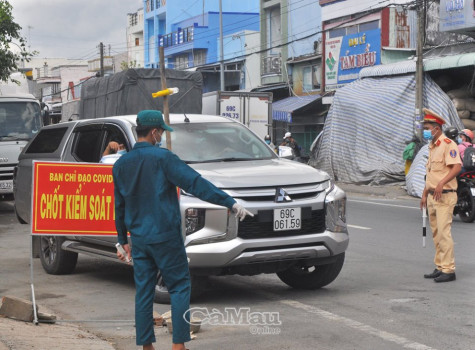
[447, 140]
[453, 153]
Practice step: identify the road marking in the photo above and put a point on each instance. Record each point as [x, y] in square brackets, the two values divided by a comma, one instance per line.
[405, 343]
[384, 204]
[359, 227]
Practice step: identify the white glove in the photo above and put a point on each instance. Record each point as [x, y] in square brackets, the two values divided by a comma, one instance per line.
[241, 212]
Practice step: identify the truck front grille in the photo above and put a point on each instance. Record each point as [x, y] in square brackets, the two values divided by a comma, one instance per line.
[6, 172]
[261, 225]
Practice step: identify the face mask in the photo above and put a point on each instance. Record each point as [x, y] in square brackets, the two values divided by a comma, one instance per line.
[459, 140]
[268, 142]
[121, 152]
[427, 134]
[157, 144]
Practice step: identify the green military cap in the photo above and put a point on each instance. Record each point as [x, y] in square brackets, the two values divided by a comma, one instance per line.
[152, 118]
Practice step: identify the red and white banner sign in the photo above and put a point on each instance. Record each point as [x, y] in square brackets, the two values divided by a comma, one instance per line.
[72, 199]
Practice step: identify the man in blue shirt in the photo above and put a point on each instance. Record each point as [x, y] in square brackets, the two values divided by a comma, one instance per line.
[146, 205]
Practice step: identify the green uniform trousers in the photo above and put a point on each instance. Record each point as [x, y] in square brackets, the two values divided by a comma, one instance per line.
[170, 258]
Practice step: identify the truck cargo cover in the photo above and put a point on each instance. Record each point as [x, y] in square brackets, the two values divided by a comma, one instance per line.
[368, 124]
[130, 91]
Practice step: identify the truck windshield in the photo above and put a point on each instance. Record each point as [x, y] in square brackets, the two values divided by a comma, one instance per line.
[216, 142]
[19, 120]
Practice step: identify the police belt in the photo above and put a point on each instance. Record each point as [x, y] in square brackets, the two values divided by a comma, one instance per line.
[443, 191]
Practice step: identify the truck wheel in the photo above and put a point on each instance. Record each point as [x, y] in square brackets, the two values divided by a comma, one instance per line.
[163, 297]
[55, 260]
[312, 277]
[467, 205]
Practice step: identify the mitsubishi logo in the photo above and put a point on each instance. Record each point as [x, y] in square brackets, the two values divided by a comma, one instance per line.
[281, 196]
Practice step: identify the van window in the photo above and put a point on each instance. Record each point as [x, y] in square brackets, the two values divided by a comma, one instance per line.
[47, 141]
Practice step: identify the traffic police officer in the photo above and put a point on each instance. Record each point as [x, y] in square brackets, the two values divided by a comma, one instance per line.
[440, 194]
[146, 205]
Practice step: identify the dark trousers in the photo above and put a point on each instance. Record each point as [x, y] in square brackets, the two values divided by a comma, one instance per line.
[170, 258]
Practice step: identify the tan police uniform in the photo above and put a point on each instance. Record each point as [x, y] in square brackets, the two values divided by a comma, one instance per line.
[442, 153]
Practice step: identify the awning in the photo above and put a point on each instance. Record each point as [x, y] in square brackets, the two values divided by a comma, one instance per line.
[282, 110]
[403, 67]
[454, 61]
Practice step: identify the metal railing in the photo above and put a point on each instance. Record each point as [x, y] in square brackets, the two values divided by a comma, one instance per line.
[176, 38]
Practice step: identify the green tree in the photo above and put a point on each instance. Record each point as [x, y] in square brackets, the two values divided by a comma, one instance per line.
[10, 32]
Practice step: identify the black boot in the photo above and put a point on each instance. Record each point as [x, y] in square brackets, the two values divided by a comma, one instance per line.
[434, 274]
[445, 277]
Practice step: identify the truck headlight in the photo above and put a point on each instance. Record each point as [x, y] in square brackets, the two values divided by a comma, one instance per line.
[335, 210]
[194, 220]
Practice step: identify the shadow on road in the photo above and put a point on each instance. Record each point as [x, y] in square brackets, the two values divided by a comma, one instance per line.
[6, 207]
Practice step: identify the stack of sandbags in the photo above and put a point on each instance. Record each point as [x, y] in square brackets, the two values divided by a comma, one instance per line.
[464, 102]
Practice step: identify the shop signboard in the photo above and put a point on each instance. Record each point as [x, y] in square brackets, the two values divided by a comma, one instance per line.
[345, 56]
[456, 16]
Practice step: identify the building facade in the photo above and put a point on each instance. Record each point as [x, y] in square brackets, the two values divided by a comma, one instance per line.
[190, 36]
[364, 34]
[291, 64]
[135, 42]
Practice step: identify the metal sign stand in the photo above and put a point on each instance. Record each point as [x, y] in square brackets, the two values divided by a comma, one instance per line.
[33, 300]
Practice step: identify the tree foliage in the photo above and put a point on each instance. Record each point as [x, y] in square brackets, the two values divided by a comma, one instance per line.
[9, 35]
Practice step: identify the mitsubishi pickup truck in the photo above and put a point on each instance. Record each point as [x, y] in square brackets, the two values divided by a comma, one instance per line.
[298, 231]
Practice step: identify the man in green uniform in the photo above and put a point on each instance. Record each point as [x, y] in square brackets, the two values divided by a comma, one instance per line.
[440, 194]
[146, 205]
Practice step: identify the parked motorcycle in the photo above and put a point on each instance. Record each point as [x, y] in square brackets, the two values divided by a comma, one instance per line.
[465, 207]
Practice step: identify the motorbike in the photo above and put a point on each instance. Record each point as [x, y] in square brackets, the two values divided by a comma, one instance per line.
[465, 207]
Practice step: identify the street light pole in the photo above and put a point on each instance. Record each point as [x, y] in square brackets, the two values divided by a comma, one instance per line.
[221, 49]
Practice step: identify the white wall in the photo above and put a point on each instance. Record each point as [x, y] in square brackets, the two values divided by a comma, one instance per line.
[38, 62]
[136, 53]
[253, 61]
[349, 7]
[74, 74]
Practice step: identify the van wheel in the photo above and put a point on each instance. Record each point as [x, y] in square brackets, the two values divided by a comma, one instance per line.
[55, 260]
[162, 296]
[312, 277]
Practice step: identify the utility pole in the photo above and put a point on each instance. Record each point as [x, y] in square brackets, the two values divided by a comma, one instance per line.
[419, 68]
[101, 52]
[221, 49]
[163, 78]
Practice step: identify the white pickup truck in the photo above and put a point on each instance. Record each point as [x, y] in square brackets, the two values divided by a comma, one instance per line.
[298, 231]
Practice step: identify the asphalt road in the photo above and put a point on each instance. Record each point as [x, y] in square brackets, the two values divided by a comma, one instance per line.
[379, 301]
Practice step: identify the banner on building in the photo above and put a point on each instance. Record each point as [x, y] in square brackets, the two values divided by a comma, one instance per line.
[72, 199]
[456, 16]
[345, 56]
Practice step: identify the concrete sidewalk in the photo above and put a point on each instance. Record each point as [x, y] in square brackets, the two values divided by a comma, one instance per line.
[19, 335]
[385, 191]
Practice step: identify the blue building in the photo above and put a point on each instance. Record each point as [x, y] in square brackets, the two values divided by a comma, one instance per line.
[189, 29]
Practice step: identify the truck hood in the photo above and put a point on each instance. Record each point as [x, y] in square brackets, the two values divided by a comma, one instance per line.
[9, 151]
[259, 173]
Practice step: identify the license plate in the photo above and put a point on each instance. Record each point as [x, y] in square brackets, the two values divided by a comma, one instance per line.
[6, 185]
[473, 191]
[287, 219]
